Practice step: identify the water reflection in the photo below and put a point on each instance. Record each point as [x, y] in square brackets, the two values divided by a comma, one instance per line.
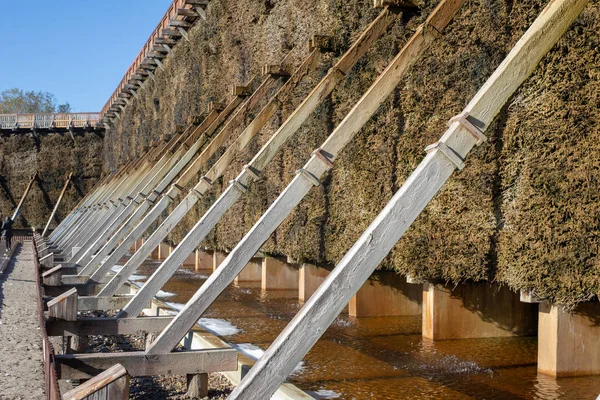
[381, 357]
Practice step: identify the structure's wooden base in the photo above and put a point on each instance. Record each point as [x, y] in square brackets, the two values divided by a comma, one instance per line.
[106, 326]
[85, 366]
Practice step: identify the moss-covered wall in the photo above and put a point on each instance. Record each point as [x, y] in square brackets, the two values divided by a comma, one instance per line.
[524, 212]
[53, 156]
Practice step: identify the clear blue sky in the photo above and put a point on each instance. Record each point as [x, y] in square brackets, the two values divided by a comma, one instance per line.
[76, 49]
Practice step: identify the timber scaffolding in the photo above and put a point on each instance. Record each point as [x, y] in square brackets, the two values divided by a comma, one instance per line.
[79, 254]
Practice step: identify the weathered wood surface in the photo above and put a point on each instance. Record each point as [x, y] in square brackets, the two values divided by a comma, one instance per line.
[106, 326]
[112, 384]
[387, 228]
[64, 307]
[178, 256]
[198, 138]
[23, 197]
[60, 197]
[234, 264]
[85, 366]
[120, 197]
[102, 303]
[190, 200]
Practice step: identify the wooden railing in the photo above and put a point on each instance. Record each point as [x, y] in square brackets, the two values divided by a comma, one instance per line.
[49, 121]
[169, 32]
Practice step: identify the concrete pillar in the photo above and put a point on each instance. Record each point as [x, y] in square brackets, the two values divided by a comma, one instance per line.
[386, 294]
[475, 311]
[310, 278]
[155, 253]
[568, 342]
[218, 257]
[277, 274]
[190, 261]
[252, 272]
[204, 260]
[164, 249]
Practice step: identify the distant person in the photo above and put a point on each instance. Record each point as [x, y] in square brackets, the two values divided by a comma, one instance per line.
[7, 232]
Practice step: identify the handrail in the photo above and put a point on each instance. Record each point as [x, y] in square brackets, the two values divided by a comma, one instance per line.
[170, 15]
[49, 120]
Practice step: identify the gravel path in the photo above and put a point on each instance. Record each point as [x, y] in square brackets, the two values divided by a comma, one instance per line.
[21, 365]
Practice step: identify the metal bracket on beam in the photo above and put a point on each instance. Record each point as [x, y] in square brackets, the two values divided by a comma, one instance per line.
[477, 132]
[448, 152]
[240, 188]
[322, 157]
[253, 172]
[308, 176]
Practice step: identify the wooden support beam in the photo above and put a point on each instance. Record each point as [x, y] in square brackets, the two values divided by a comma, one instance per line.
[165, 40]
[105, 326]
[47, 261]
[60, 197]
[187, 12]
[22, 201]
[180, 24]
[102, 303]
[406, 204]
[86, 366]
[64, 307]
[397, 3]
[275, 70]
[112, 384]
[184, 33]
[172, 32]
[168, 49]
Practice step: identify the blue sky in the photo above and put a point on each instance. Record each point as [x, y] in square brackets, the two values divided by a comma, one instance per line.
[76, 49]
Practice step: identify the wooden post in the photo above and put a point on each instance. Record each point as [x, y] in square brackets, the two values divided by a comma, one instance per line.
[197, 386]
[319, 163]
[62, 193]
[64, 307]
[387, 228]
[20, 205]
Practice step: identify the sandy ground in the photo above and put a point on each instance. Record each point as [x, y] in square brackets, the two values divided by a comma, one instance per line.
[21, 365]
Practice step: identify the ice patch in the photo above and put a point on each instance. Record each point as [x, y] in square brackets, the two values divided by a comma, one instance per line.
[327, 394]
[116, 268]
[163, 294]
[137, 277]
[175, 306]
[219, 327]
[255, 352]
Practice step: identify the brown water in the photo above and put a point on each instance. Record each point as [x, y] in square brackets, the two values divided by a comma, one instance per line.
[381, 358]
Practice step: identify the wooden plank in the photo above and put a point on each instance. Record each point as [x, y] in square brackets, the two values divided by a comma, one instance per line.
[102, 303]
[85, 366]
[187, 12]
[112, 384]
[106, 326]
[22, 201]
[64, 307]
[404, 207]
[179, 23]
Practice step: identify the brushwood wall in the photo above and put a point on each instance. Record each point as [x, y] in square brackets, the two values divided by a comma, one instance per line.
[525, 211]
[53, 156]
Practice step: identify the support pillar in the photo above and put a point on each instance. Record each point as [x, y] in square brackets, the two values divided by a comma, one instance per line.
[164, 249]
[277, 274]
[310, 278]
[218, 258]
[386, 294]
[568, 342]
[252, 272]
[475, 311]
[204, 260]
[197, 386]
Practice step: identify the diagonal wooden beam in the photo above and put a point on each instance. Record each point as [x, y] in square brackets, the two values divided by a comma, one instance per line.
[62, 193]
[405, 206]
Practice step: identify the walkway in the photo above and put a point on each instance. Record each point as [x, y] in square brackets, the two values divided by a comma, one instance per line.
[21, 367]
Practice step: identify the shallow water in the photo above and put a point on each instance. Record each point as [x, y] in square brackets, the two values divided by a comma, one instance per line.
[380, 357]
